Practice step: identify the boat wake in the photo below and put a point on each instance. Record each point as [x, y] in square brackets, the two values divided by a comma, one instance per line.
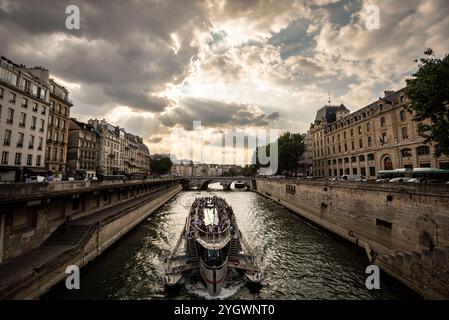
[199, 290]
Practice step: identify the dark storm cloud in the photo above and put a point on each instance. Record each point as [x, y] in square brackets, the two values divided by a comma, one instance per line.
[124, 48]
[215, 114]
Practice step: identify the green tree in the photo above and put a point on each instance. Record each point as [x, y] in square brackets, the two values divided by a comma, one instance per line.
[161, 166]
[428, 92]
[290, 149]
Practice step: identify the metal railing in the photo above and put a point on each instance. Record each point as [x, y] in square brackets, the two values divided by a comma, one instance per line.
[213, 237]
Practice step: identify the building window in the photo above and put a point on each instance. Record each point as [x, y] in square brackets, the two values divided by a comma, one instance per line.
[47, 154]
[38, 161]
[7, 139]
[360, 130]
[20, 140]
[406, 153]
[42, 128]
[12, 97]
[352, 145]
[5, 157]
[35, 107]
[383, 138]
[10, 116]
[31, 143]
[372, 171]
[403, 115]
[368, 127]
[55, 154]
[361, 143]
[362, 158]
[382, 122]
[24, 103]
[388, 164]
[370, 142]
[41, 143]
[18, 159]
[33, 123]
[371, 157]
[44, 110]
[2, 92]
[22, 120]
[61, 155]
[29, 160]
[423, 151]
[404, 133]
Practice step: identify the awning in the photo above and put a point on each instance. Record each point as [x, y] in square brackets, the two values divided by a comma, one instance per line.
[36, 170]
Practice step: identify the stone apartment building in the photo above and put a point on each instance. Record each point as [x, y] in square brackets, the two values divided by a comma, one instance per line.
[110, 153]
[58, 129]
[381, 136]
[119, 152]
[137, 155]
[24, 103]
[82, 153]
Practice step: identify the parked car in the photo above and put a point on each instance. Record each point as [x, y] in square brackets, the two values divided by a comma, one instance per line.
[353, 178]
[36, 179]
[414, 180]
[399, 180]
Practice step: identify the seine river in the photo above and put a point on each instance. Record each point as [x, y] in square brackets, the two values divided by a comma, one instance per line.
[300, 261]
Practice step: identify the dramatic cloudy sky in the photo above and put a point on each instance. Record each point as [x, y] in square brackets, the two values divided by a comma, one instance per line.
[154, 66]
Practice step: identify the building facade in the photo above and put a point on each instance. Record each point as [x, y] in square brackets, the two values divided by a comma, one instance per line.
[137, 155]
[109, 147]
[24, 103]
[82, 152]
[120, 152]
[381, 136]
[58, 129]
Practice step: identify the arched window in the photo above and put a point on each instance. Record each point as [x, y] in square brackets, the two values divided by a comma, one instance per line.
[388, 164]
[423, 151]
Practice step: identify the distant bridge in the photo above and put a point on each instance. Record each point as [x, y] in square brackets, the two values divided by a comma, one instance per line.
[202, 183]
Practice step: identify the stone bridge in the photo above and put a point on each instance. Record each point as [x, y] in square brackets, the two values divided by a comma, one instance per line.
[202, 183]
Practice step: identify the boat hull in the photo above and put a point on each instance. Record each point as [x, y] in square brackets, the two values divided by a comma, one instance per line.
[214, 278]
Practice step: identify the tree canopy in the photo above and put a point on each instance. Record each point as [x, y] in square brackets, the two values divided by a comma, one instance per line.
[290, 149]
[428, 92]
[161, 166]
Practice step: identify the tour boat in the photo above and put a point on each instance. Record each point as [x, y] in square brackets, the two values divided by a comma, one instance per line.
[212, 244]
[239, 185]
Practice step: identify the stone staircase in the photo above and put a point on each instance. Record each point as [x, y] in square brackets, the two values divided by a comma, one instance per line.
[68, 236]
[427, 272]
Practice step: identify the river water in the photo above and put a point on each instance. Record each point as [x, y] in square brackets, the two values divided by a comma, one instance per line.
[300, 261]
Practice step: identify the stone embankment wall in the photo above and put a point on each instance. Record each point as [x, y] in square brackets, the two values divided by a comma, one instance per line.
[406, 226]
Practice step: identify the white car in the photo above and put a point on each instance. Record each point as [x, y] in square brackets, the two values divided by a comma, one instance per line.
[414, 180]
[399, 180]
